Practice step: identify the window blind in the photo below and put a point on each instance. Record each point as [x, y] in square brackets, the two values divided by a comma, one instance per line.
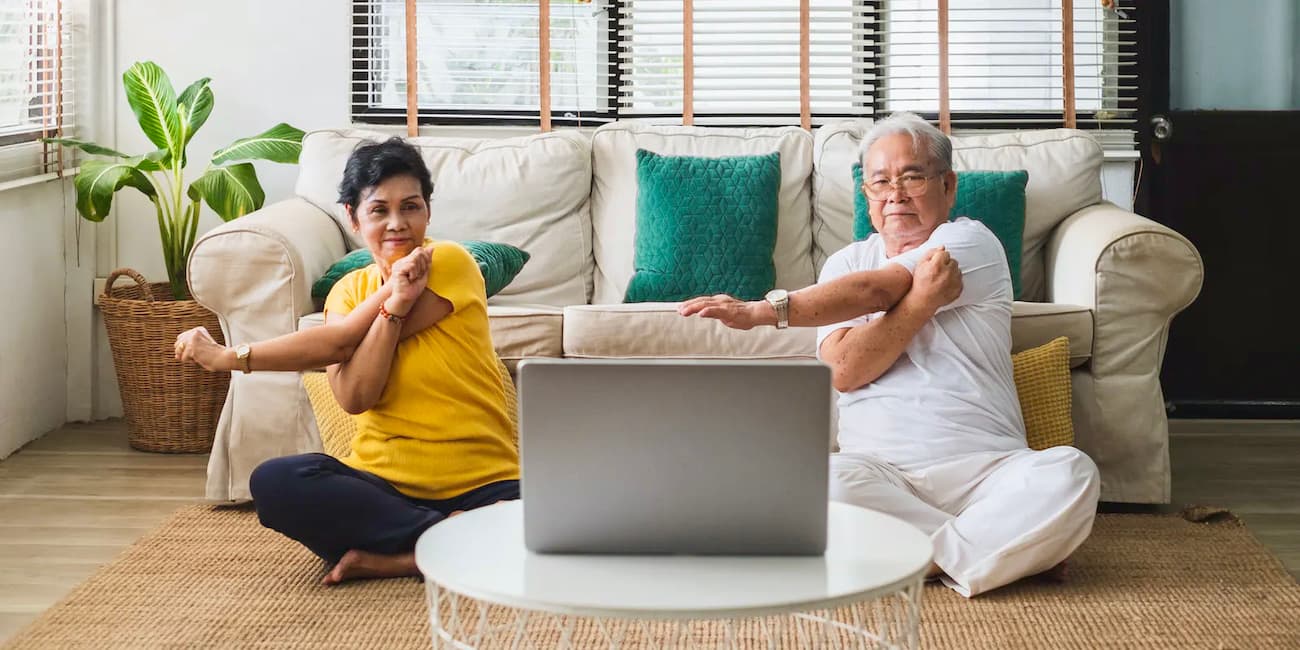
[37, 88]
[1006, 66]
[478, 59]
[618, 59]
[746, 56]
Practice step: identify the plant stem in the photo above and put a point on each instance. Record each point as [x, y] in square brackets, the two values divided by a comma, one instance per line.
[180, 252]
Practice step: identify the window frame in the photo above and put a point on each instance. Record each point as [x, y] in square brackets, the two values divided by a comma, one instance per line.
[368, 114]
[466, 117]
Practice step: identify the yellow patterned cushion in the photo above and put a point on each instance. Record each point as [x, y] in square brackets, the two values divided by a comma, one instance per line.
[1043, 382]
[337, 428]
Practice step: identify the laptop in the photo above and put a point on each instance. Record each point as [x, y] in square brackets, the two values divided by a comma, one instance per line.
[702, 457]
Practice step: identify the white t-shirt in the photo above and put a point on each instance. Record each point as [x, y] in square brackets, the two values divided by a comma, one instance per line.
[952, 391]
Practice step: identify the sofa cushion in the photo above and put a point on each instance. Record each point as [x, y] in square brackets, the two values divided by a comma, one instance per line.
[1036, 323]
[522, 331]
[518, 331]
[1064, 168]
[498, 263]
[996, 199]
[614, 193]
[1042, 377]
[654, 329]
[704, 226]
[531, 192]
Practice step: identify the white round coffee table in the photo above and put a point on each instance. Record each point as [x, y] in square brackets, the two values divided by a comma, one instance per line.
[485, 590]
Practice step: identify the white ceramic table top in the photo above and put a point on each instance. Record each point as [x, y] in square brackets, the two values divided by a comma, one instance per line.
[481, 554]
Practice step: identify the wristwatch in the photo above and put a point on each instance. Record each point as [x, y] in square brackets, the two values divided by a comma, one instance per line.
[780, 301]
[242, 353]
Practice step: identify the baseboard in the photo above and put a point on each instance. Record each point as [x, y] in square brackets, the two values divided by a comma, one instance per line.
[1234, 409]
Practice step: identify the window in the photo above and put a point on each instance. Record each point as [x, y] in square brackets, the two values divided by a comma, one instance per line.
[1005, 60]
[746, 60]
[624, 58]
[478, 60]
[35, 87]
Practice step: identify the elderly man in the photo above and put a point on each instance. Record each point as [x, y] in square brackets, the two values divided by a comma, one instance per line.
[915, 323]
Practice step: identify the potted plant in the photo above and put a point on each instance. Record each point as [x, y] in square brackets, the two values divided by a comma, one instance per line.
[168, 406]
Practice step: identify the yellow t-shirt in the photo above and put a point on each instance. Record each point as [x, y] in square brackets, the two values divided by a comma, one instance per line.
[440, 428]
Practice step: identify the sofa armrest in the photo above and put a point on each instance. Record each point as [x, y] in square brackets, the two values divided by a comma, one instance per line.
[1136, 274]
[256, 272]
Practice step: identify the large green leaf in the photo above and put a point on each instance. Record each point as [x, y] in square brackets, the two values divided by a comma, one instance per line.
[152, 161]
[151, 96]
[88, 147]
[281, 143]
[198, 101]
[98, 180]
[231, 191]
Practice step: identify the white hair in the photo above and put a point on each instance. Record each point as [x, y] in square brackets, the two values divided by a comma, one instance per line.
[925, 138]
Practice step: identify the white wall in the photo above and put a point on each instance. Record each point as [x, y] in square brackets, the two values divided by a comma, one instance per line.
[33, 338]
[270, 61]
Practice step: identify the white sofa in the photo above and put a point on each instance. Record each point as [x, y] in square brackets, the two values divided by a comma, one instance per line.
[1108, 279]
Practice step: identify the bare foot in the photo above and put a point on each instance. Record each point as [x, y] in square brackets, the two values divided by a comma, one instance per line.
[1058, 573]
[363, 564]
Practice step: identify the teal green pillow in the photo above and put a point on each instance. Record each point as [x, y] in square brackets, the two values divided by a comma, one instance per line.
[704, 226]
[995, 198]
[499, 264]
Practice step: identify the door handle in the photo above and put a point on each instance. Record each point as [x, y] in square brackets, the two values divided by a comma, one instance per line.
[1162, 128]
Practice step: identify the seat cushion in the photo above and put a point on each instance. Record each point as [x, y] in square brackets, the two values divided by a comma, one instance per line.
[654, 329]
[518, 331]
[614, 194]
[1064, 168]
[531, 192]
[1037, 323]
[522, 331]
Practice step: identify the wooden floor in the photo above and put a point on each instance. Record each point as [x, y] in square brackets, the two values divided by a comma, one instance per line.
[74, 499]
[70, 502]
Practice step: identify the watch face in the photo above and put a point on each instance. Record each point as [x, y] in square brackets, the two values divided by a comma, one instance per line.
[777, 295]
[242, 350]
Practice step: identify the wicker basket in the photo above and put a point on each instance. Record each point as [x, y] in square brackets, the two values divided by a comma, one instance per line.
[170, 407]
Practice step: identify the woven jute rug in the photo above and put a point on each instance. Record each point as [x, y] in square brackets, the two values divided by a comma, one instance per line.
[215, 578]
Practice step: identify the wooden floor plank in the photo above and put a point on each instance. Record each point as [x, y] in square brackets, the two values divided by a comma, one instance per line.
[11, 622]
[86, 513]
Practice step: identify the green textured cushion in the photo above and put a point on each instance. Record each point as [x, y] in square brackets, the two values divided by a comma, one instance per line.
[704, 226]
[499, 264]
[995, 198]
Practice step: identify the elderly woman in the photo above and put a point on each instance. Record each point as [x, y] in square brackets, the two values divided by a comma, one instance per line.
[408, 351]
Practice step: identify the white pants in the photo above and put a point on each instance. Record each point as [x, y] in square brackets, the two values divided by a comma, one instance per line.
[994, 517]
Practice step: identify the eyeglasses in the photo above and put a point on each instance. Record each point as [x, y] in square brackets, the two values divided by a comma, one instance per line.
[911, 184]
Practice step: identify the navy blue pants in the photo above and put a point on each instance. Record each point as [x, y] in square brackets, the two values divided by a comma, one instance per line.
[331, 508]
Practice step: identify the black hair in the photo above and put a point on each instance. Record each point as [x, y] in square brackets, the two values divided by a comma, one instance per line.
[372, 163]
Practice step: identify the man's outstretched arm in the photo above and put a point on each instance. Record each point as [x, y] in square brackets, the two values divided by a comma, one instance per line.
[847, 297]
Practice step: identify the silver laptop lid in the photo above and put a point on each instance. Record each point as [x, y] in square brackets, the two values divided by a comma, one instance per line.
[674, 456]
